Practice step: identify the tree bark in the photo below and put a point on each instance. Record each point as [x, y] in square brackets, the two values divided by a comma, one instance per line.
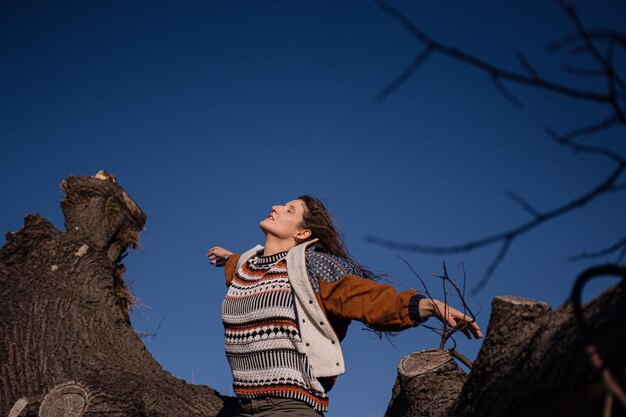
[532, 363]
[68, 348]
[428, 383]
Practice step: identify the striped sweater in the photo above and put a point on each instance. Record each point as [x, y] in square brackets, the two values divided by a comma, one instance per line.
[262, 339]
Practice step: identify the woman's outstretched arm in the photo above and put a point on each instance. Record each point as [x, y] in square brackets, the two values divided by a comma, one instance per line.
[347, 295]
[383, 308]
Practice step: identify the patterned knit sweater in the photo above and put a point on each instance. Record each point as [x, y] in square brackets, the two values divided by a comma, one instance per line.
[263, 343]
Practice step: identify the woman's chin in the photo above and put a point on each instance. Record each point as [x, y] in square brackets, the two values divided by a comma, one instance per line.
[265, 227]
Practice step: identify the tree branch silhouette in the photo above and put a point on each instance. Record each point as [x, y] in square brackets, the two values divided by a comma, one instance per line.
[620, 245]
[614, 390]
[506, 237]
[494, 71]
[612, 97]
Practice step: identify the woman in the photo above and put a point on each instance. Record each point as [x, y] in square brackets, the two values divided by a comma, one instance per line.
[289, 304]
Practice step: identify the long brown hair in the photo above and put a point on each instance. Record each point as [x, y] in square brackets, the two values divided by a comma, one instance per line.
[318, 219]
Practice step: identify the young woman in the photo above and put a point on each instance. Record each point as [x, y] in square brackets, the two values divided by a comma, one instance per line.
[289, 304]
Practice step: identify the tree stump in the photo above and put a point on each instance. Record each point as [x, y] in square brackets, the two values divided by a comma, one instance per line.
[68, 349]
[427, 385]
[533, 361]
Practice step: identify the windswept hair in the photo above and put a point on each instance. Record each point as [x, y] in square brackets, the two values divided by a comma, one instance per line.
[318, 219]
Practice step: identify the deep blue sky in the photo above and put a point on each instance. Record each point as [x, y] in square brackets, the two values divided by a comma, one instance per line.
[210, 112]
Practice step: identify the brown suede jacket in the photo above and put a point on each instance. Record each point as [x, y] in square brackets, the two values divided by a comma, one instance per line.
[377, 305]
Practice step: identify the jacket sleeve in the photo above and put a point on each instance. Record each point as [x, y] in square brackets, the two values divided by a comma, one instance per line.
[379, 306]
[230, 268]
[345, 294]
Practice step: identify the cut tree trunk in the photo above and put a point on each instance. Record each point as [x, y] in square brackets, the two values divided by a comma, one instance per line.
[533, 361]
[428, 383]
[68, 348]
[532, 364]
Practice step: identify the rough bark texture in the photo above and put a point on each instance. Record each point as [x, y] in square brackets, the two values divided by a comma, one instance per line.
[532, 363]
[428, 383]
[67, 347]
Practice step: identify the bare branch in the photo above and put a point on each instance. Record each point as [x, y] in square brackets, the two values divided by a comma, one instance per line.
[493, 71]
[610, 36]
[504, 248]
[526, 65]
[508, 236]
[612, 77]
[506, 93]
[151, 334]
[416, 275]
[619, 245]
[458, 355]
[459, 292]
[592, 351]
[462, 266]
[578, 148]
[522, 203]
[583, 73]
[404, 75]
[590, 128]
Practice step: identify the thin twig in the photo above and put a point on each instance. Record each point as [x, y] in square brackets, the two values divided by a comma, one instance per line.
[505, 92]
[404, 76]
[526, 65]
[612, 77]
[504, 248]
[522, 203]
[460, 293]
[602, 252]
[151, 334]
[588, 149]
[591, 128]
[610, 36]
[461, 357]
[583, 73]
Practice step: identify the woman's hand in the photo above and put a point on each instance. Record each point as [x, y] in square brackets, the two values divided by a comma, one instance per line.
[449, 316]
[218, 256]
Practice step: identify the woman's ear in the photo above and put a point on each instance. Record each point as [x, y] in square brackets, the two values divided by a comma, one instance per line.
[303, 234]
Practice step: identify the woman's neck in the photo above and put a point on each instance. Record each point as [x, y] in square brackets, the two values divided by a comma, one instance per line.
[273, 245]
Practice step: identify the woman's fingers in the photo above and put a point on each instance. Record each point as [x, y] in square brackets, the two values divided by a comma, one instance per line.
[462, 322]
[476, 331]
[468, 326]
[218, 255]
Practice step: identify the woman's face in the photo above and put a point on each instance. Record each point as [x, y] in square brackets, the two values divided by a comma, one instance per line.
[284, 221]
